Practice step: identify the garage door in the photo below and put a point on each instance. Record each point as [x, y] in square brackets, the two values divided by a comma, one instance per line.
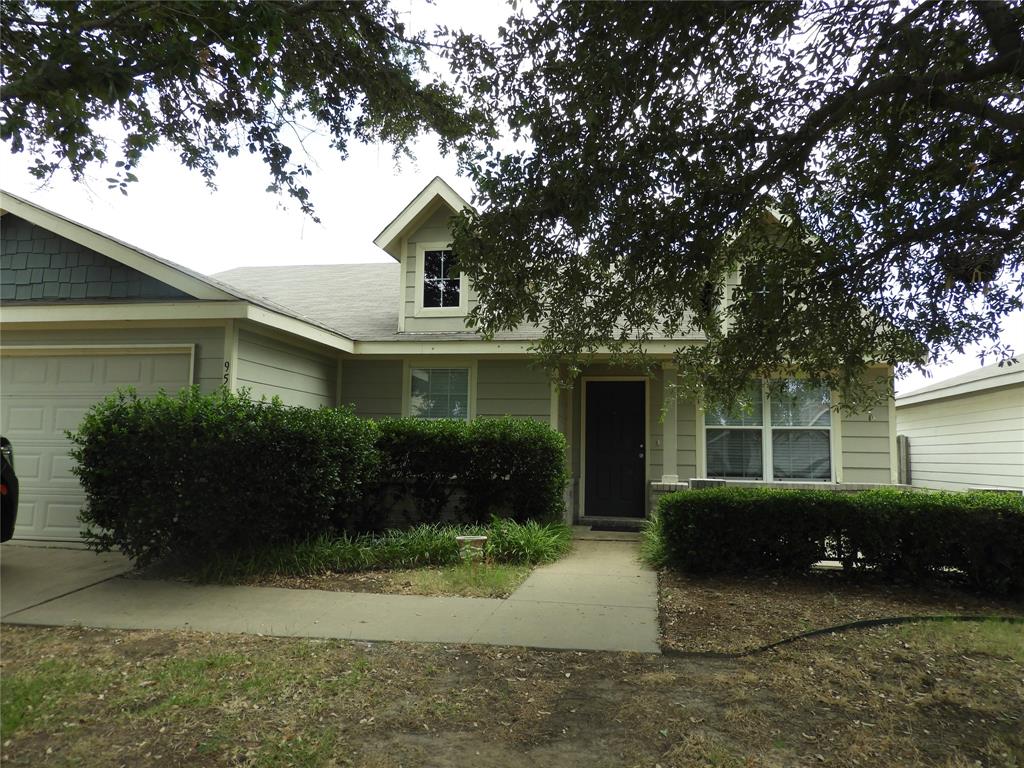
[42, 394]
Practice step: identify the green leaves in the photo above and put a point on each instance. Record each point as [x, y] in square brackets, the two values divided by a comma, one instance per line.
[196, 475]
[866, 159]
[901, 534]
[468, 471]
[210, 78]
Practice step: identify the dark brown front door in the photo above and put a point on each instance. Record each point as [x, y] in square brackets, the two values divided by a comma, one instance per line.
[614, 484]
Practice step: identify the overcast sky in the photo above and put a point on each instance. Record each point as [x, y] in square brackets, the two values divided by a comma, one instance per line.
[171, 212]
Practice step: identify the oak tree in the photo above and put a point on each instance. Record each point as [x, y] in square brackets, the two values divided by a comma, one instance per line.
[811, 186]
[212, 79]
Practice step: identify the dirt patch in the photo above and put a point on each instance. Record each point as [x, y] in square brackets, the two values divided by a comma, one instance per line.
[889, 696]
[377, 582]
[735, 613]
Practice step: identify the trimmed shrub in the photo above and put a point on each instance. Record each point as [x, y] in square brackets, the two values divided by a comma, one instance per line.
[196, 474]
[902, 534]
[724, 530]
[467, 472]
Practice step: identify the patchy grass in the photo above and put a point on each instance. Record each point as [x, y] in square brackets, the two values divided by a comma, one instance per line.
[921, 695]
[734, 613]
[468, 580]
[993, 638]
[463, 580]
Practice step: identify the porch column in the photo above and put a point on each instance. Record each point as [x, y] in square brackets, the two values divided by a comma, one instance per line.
[229, 375]
[670, 425]
[556, 398]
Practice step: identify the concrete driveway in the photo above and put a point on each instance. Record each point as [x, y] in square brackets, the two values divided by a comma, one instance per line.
[32, 575]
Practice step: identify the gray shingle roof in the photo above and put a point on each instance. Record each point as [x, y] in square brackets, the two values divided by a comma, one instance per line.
[357, 300]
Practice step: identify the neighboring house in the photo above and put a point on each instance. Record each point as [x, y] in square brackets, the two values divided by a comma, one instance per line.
[966, 432]
[83, 313]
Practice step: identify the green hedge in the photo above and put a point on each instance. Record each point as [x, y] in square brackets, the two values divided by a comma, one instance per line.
[902, 534]
[199, 474]
[467, 472]
[195, 474]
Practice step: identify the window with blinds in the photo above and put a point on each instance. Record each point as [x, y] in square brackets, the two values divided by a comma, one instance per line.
[801, 432]
[439, 393]
[734, 439]
[794, 444]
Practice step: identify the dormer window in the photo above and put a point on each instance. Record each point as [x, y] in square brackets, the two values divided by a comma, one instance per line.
[441, 284]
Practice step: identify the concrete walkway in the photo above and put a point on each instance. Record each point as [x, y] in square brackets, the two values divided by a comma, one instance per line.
[30, 574]
[597, 598]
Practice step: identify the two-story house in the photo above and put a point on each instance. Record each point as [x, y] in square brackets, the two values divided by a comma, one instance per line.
[82, 313]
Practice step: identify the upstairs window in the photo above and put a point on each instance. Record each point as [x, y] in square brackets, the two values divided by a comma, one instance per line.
[442, 286]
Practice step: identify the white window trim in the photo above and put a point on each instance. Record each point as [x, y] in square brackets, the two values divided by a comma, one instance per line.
[766, 427]
[421, 311]
[437, 362]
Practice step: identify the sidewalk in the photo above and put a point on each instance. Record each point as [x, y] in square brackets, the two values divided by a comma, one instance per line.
[597, 598]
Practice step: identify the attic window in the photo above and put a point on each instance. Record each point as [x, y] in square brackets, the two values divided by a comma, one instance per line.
[441, 282]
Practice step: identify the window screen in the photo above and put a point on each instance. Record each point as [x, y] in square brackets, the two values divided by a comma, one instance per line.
[439, 393]
[441, 284]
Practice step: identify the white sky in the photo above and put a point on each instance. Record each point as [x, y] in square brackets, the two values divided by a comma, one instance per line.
[171, 213]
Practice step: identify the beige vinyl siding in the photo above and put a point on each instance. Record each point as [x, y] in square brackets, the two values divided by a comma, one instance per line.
[866, 441]
[208, 341]
[686, 441]
[970, 441]
[372, 387]
[512, 388]
[434, 230]
[269, 367]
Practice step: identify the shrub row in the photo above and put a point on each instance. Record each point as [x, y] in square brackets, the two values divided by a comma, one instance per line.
[466, 472]
[904, 535]
[201, 474]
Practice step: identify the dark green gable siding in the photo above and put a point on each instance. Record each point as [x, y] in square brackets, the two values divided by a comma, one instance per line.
[37, 265]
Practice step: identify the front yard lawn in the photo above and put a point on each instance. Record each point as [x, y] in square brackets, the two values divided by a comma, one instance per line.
[942, 695]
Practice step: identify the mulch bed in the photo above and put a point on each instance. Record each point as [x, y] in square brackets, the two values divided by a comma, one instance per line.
[734, 613]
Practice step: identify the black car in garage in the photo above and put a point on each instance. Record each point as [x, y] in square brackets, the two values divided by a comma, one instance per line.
[8, 490]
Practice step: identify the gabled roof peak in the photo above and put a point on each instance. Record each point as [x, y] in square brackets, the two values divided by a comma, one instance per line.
[419, 208]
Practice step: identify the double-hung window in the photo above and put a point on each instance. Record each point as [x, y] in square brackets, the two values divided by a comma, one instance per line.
[801, 432]
[783, 434]
[439, 393]
[734, 439]
[440, 283]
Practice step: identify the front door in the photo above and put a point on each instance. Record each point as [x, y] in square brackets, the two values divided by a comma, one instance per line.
[614, 484]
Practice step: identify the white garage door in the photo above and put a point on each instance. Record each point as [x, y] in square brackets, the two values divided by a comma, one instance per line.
[41, 395]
